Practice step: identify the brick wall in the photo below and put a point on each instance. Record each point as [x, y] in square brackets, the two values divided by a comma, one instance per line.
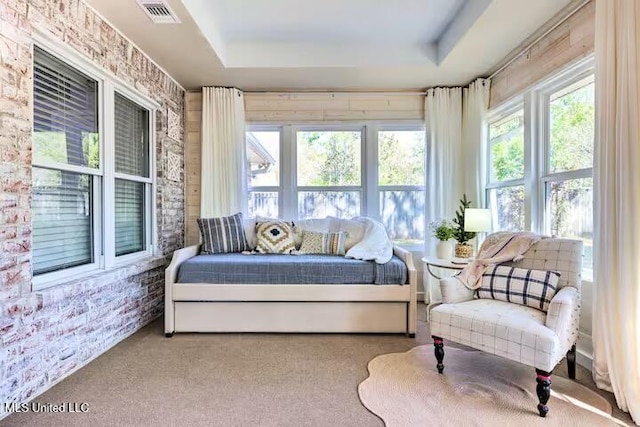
[46, 335]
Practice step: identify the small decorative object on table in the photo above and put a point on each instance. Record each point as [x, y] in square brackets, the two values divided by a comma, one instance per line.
[443, 231]
[463, 249]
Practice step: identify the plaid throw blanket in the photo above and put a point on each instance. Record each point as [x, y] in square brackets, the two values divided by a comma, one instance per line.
[498, 247]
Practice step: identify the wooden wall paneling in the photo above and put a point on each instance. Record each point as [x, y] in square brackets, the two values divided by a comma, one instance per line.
[569, 42]
[192, 165]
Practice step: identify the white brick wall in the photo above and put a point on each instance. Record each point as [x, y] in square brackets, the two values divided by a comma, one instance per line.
[46, 335]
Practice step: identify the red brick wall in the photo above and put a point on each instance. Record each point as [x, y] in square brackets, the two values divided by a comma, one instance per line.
[45, 335]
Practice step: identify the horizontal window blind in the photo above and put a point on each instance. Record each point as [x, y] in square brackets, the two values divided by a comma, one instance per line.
[65, 124]
[131, 158]
[132, 137]
[65, 113]
[130, 220]
[62, 220]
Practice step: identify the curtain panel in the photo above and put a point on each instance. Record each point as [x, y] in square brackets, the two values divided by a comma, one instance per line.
[223, 178]
[444, 177]
[616, 302]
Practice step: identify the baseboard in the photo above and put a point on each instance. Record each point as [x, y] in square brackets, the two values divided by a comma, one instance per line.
[420, 296]
[584, 350]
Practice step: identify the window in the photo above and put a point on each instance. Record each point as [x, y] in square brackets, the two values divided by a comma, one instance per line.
[341, 171]
[263, 168]
[329, 173]
[133, 182]
[92, 169]
[66, 160]
[401, 175]
[541, 160]
[506, 170]
[568, 177]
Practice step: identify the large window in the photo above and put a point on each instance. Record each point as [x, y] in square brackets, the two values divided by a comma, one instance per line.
[541, 157]
[342, 171]
[92, 170]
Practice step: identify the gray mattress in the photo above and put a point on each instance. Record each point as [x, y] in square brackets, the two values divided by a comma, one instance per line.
[237, 268]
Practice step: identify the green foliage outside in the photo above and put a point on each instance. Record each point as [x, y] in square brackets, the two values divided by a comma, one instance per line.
[328, 158]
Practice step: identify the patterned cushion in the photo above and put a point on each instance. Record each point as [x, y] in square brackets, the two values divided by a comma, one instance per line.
[314, 242]
[223, 234]
[274, 237]
[533, 288]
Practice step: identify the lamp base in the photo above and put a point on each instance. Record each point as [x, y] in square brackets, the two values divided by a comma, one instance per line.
[464, 250]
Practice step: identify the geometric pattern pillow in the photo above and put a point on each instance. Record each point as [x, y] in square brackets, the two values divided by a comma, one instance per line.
[533, 288]
[314, 242]
[223, 234]
[274, 237]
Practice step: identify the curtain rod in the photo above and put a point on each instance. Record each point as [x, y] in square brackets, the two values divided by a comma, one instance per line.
[579, 6]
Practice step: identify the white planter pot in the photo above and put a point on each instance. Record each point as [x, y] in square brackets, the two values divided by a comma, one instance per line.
[444, 250]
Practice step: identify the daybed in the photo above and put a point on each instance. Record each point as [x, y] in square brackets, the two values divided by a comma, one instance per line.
[293, 303]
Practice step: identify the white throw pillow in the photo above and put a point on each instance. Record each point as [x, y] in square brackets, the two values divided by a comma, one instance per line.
[320, 225]
[249, 225]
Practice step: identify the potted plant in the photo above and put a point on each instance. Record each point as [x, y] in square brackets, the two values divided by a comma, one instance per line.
[443, 231]
[463, 249]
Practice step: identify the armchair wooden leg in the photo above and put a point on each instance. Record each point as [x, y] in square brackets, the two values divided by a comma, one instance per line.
[543, 391]
[571, 362]
[438, 349]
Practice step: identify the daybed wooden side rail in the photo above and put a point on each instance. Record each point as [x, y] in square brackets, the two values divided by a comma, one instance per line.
[170, 276]
[407, 257]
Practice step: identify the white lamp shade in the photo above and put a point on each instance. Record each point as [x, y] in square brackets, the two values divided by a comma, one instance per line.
[478, 220]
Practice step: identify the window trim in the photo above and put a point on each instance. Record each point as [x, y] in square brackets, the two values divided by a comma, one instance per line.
[103, 186]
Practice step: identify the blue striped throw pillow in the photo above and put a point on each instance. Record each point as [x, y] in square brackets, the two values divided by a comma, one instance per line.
[223, 235]
[533, 288]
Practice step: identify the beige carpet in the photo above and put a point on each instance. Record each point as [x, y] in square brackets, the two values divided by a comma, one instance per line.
[405, 390]
[232, 380]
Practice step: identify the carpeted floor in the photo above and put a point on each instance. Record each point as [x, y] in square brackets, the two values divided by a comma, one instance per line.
[232, 380]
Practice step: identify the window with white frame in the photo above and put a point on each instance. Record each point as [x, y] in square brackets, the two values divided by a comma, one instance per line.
[401, 175]
[299, 172]
[505, 189]
[92, 170]
[328, 173]
[541, 160]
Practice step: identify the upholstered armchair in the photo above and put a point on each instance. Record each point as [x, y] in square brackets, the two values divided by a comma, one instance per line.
[511, 329]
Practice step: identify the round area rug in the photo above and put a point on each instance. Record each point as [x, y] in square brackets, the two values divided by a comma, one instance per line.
[476, 389]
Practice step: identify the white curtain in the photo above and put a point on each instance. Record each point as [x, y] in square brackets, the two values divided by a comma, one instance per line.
[616, 307]
[474, 140]
[444, 177]
[223, 176]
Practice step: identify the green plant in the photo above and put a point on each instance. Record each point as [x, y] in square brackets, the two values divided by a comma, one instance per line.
[442, 230]
[461, 236]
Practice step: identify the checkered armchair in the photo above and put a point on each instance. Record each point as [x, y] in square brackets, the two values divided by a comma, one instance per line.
[512, 330]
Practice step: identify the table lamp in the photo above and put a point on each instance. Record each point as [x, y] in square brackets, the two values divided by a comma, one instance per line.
[477, 220]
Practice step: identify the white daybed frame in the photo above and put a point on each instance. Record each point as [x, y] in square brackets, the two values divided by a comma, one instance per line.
[204, 307]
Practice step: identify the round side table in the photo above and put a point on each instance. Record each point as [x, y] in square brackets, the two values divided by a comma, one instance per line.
[430, 264]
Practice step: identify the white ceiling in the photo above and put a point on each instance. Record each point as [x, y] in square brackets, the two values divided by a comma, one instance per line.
[333, 44]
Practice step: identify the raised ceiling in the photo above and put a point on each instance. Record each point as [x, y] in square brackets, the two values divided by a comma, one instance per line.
[333, 44]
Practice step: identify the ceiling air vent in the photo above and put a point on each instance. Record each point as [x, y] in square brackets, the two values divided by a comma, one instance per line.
[159, 12]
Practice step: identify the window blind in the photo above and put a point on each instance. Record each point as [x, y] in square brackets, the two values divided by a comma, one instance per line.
[131, 158]
[132, 137]
[129, 216]
[65, 127]
[62, 220]
[65, 114]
